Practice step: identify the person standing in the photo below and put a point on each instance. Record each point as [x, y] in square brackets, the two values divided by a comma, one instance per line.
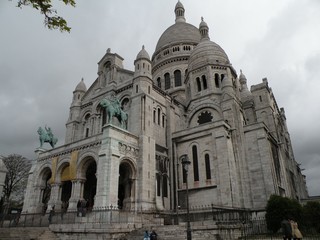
[286, 229]
[295, 230]
[79, 208]
[153, 235]
[51, 214]
[146, 235]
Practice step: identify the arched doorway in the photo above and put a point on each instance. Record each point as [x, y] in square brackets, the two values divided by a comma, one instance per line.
[90, 186]
[66, 191]
[66, 184]
[126, 186]
[45, 189]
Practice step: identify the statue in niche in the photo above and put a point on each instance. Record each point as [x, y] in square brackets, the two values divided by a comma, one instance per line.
[113, 109]
[47, 136]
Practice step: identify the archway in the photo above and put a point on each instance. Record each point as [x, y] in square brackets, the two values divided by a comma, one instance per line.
[126, 186]
[66, 184]
[66, 191]
[90, 186]
[45, 188]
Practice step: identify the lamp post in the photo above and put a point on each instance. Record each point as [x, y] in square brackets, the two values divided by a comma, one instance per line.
[185, 163]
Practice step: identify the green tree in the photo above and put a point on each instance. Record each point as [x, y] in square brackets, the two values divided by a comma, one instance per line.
[279, 208]
[51, 19]
[311, 216]
[16, 179]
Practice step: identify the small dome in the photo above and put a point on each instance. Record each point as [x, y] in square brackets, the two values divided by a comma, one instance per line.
[143, 54]
[242, 78]
[244, 92]
[203, 24]
[81, 86]
[207, 52]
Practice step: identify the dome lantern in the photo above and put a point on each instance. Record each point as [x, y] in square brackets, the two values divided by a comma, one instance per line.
[179, 11]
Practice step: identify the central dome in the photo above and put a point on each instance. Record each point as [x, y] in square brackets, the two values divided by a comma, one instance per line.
[179, 32]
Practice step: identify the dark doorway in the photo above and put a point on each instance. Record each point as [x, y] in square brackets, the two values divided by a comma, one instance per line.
[125, 184]
[47, 189]
[66, 191]
[90, 186]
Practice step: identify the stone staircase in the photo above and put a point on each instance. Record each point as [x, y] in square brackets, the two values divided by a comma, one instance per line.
[16, 233]
[200, 231]
[47, 235]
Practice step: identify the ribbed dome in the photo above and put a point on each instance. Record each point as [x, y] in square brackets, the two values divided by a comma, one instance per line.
[143, 54]
[207, 52]
[81, 86]
[179, 32]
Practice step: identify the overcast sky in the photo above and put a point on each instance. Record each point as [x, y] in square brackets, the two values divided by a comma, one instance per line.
[39, 68]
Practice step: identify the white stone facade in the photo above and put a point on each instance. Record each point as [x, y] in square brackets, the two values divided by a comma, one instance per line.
[186, 99]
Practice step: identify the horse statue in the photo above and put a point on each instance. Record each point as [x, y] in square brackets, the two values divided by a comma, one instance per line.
[46, 136]
[113, 109]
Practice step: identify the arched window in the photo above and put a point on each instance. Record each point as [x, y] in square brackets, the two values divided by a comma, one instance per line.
[162, 120]
[177, 78]
[198, 84]
[204, 82]
[216, 80]
[207, 162]
[159, 116]
[195, 163]
[164, 186]
[159, 82]
[167, 81]
[222, 77]
[205, 117]
[154, 116]
[158, 184]
[184, 174]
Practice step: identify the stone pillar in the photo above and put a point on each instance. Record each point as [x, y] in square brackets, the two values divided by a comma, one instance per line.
[76, 194]
[55, 196]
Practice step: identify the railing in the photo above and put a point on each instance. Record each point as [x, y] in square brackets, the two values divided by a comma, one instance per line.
[228, 223]
[102, 215]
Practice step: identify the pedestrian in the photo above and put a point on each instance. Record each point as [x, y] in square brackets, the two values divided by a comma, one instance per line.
[146, 235]
[286, 229]
[79, 212]
[153, 235]
[83, 207]
[295, 230]
[51, 214]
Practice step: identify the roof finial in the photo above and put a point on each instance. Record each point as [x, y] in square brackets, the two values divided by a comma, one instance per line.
[201, 19]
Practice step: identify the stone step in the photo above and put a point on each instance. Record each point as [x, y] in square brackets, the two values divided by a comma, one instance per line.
[17, 233]
[177, 232]
[48, 235]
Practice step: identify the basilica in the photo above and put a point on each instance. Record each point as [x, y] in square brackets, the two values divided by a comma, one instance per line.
[183, 119]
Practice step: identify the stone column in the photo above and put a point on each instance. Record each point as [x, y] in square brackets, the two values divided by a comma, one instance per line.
[76, 194]
[55, 196]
